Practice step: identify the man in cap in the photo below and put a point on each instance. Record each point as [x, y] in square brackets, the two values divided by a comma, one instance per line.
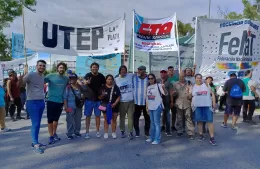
[140, 85]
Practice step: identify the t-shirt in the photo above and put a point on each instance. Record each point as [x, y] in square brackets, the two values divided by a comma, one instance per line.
[227, 88]
[56, 87]
[140, 86]
[173, 79]
[191, 79]
[70, 97]
[153, 96]
[201, 96]
[248, 94]
[34, 86]
[96, 82]
[126, 87]
[107, 91]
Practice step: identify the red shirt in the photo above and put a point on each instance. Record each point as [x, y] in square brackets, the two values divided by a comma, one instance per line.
[15, 90]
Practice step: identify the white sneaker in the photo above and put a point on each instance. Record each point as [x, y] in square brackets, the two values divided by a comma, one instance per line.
[5, 130]
[155, 142]
[98, 135]
[149, 140]
[114, 135]
[87, 136]
[106, 136]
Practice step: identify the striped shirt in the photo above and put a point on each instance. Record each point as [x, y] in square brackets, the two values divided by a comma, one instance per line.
[140, 86]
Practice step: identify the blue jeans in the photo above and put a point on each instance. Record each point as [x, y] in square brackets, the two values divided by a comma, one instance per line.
[155, 126]
[35, 109]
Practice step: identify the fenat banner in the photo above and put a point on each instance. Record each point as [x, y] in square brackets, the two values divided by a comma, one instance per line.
[44, 36]
[108, 64]
[154, 35]
[223, 47]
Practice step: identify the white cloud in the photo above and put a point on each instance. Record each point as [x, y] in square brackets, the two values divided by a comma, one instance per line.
[86, 12]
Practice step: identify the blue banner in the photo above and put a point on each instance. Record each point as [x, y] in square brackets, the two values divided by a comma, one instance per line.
[108, 64]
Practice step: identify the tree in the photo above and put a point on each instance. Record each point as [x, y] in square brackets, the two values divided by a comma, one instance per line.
[9, 10]
[250, 11]
[184, 28]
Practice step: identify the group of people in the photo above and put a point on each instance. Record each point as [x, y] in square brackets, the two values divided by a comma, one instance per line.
[190, 99]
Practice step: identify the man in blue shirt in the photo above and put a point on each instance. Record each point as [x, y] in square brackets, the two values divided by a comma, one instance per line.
[57, 83]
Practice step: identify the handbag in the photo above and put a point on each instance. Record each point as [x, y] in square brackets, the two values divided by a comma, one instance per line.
[78, 101]
[103, 106]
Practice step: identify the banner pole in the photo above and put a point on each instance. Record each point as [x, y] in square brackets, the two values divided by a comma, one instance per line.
[195, 43]
[24, 43]
[179, 58]
[124, 39]
[50, 63]
[133, 41]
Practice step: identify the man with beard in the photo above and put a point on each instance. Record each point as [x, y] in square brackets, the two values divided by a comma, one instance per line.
[35, 101]
[57, 83]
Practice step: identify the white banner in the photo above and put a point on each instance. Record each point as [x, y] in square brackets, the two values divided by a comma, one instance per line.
[44, 36]
[154, 35]
[227, 46]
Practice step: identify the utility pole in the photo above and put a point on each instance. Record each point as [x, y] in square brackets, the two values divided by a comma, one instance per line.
[209, 8]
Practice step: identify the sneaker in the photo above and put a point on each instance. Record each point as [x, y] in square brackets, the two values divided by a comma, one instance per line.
[168, 134]
[201, 138]
[179, 134]
[56, 137]
[137, 134]
[174, 129]
[5, 129]
[87, 136]
[224, 125]
[234, 127]
[212, 141]
[123, 134]
[163, 128]
[252, 122]
[147, 136]
[106, 136]
[130, 136]
[149, 140]
[155, 142]
[245, 120]
[114, 135]
[69, 137]
[191, 137]
[38, 150]
[51, 140]
[13, 119]
[40, 145]
[98, 135]
[77, 134]
[19, 118]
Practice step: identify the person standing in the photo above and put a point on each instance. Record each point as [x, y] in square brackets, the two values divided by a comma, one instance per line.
[125, 83]
[57, 83]
[234, 88]
[13, 90]
[249, 98]
[183, 104]
[189, 75]
[3, 127]
[168, 101]
[73, 103]
[155, 106]
[173, 79]
[93, 81]
[140, 86]
[35, 102]
[109, 95]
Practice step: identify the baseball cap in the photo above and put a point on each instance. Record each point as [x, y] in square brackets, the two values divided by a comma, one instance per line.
[163, 71]
[142, 68]
[73, 75]
[69, 71]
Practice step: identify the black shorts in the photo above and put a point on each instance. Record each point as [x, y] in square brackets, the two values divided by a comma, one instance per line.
[54, 111]
[233, 110]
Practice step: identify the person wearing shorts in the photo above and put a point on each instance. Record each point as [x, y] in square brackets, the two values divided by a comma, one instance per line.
[57, 83]
[233, 104]
[112, 100]
[203, 102]
[93, 81]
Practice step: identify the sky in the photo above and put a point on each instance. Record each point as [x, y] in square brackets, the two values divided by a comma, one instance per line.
[98, 12]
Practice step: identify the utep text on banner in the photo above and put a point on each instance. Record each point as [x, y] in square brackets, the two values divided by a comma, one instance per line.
[226, 46]
[108, 64]
[44, 36]
[18, 47]
[154, 35]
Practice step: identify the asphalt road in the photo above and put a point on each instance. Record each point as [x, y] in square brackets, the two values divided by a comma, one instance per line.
[235, 150]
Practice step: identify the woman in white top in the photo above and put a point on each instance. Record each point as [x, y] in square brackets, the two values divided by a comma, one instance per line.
[202, 104]
[154, 106]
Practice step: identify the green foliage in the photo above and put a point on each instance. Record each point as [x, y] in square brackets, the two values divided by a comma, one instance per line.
[184, 28]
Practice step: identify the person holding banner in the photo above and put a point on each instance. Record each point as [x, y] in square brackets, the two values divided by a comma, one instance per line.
[35, 101]
[57, 83]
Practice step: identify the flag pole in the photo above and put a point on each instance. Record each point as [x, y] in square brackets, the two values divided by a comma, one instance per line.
[24, 43]
[177, 32]
[196, 23]
[124, 39]
[133, 41]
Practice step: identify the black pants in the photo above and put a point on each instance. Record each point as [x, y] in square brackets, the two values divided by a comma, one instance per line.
[6, 107]
[137, 115]
[222, 101]
[249, 115]
[13, 105]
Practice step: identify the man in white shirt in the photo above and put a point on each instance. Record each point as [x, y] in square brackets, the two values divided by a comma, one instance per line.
[125, 83]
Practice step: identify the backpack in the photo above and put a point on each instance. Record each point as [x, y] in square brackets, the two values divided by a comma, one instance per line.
[236, 92]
